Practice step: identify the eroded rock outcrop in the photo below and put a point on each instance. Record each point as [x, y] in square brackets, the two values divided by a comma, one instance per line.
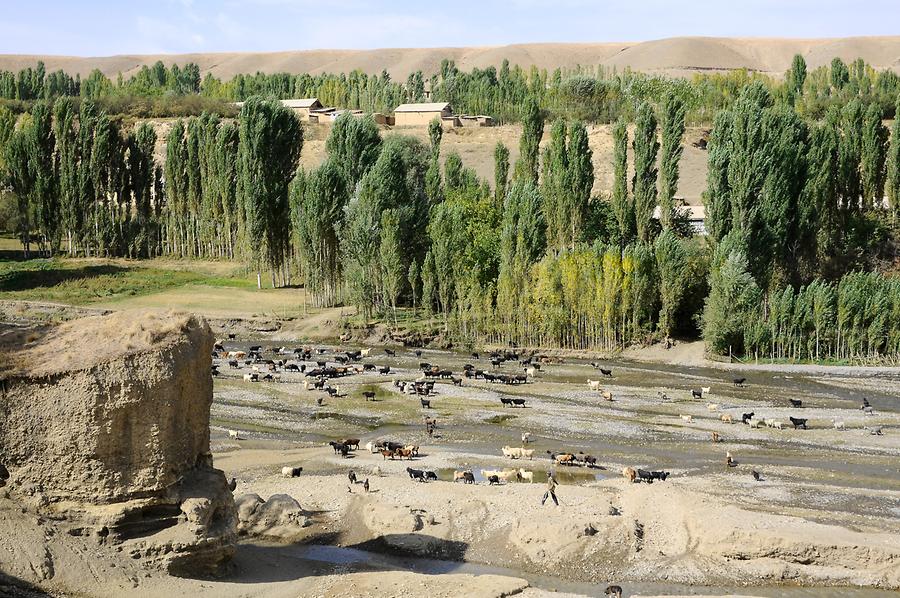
[104, 424]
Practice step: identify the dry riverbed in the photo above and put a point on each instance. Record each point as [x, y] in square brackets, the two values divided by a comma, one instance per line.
[826, 511]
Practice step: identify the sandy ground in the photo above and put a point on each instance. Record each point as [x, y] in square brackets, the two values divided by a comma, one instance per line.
[673, 56]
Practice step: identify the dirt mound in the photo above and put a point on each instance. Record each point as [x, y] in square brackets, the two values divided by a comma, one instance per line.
[106, 427]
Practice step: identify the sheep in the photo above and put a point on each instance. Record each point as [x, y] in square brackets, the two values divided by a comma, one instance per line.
[370, 446]
[511, 453]
[607, 395]
[778, 425]
[629, 474]
[712, 406]
[508, 474]
[525, 475]
[254, 377]
[491, 473]
[291, 472]
[727, 418]
[376, 471]
[365, 352]
[705, 390]
[527, 454]
[530, 372]
[593, 384]
[526, 437]
[565, 459]
[875, 430]
[839, 425]
[688, 418]
[460, 475]
[756, 423]
[234, 434]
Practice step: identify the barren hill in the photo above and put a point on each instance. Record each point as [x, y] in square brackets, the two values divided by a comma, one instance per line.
[673, 56]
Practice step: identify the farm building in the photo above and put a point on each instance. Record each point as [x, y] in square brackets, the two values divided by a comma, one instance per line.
[696, 216]
[304, 107]
[419, 115]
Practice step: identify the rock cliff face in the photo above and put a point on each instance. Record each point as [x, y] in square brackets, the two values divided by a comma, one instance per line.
[104, 423]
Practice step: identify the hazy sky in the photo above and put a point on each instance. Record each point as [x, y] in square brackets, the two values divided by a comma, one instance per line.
[103, 27]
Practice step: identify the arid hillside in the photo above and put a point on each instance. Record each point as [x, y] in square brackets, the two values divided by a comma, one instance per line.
[677, 56]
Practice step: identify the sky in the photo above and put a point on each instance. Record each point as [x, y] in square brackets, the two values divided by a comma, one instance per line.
[106, 27]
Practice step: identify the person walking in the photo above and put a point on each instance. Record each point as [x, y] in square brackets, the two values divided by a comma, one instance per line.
[551, 490]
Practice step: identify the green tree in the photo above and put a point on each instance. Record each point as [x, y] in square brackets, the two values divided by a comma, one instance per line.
[622, 205]
[672, 126]
[672, 264]
[893, 167]
[269, 151]
[717, 196]
[391, 259]
[581, 181]
[643, 184]
[529, 143]
[501, 172]
[354, 144]
[412, 278]
[874, 153]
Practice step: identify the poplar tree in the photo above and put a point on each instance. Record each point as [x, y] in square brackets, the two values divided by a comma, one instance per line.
[501, 172]
[671, 260]
[581, 180]
[893, 166]
[529, 143]
[354, 144]
[622, 205]
[672, 126]
[717, 197]
[141, 170]
[555, 186]
[268, 154]
[391, 259]
[643, 184]
[64, 122]
[874, 153]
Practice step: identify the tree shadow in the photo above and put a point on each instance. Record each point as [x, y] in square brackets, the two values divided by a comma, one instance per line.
[25, 280]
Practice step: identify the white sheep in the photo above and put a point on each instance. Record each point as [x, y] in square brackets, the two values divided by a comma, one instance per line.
[291, 472]
[234, 434]
[705, 390]
[839, 425]
[511, 453]
[593, 384]
[526, 475]
[526, 437]
[688, 418]
[365, 352]
[712, 406]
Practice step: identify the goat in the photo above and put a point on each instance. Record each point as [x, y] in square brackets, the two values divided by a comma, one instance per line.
[756, 476]
[607, 373]
[696, 394]
[739, 381]
[425, 403]
[593, 384]
[798, 422]
[606, 395]
[688, 418]
[756, 423]
[796, 403]
[729, 460]
[384, 371]
[462, 475]
[234, 434]
[416, 474]
[839, 425]
[365, 352]
[370, 446]
[726, 418]
[712, 406]
[337, 446]
[254, 377]
[412, 448]
[518, 402]
[564, 459]
[351, 443]
[526, 437]
[589, 461]
[613, 591]
[705, 390]
[868, 410]
[233, 363]
[629, 474]
[493, 479]
[385, 453]
[511, 453]
[369, 395]
[390, 352]
[875, 430]
[525, 475]
[746, 417]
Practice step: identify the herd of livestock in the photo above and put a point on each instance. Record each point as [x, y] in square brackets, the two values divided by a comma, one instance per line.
[322, 367]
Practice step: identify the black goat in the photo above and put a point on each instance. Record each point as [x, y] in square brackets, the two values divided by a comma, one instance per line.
[492, 479]
[426, 404]
[746, 417]
[696, 394]
[798, 422]
[369, 395]
[390, 352]
[430, 475]
[796, 403]
[416, 474]
[607, 373]
[739, 381]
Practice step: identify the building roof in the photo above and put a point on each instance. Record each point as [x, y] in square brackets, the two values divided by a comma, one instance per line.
[693, 212]
[428, 107]
[302, 103]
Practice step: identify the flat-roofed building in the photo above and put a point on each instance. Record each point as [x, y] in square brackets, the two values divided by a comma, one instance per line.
[419, 115]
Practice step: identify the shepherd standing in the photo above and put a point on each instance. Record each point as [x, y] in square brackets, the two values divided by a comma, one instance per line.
[551, 490]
